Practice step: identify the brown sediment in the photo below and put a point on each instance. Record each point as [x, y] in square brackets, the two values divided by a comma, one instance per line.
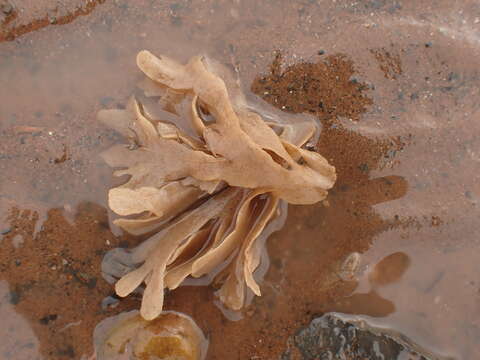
[11, 28]
[389, 62]
[326, 88]
[55, 277]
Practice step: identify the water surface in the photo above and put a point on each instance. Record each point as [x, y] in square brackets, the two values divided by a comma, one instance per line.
[395, 86]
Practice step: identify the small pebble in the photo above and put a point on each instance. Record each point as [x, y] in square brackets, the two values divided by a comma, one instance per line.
[350, 266]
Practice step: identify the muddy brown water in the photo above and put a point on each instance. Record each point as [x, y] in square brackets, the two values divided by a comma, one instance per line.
[395, 85]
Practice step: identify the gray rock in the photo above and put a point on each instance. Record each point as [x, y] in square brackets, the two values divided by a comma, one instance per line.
[340, 337]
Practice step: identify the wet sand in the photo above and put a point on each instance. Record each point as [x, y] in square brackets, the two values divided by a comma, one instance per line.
[395, 86]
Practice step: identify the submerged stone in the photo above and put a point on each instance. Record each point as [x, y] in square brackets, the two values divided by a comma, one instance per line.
[171, 336]
[337, 336]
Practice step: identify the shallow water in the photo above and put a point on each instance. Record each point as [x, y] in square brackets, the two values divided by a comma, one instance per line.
[402, 134]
